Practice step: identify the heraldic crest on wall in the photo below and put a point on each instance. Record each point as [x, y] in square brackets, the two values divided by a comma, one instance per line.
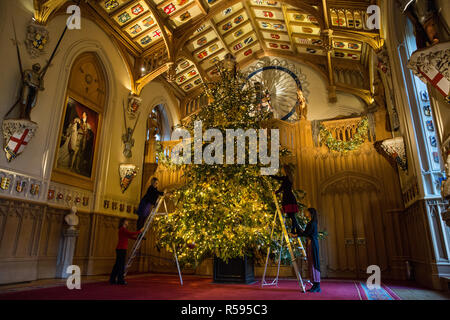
[127, 172]
[37, 38]
[16, 135]
[431, 66]
[394, 151]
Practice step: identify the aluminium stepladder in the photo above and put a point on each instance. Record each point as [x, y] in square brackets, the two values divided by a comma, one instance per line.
[284, 237]
[138, 242]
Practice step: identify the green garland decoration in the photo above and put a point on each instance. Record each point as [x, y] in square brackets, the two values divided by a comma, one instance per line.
[344, 146]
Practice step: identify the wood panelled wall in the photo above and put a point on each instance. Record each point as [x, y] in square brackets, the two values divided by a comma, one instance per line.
[358, 198]
[31, 235]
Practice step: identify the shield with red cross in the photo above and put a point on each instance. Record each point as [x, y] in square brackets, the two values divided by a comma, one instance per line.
[17, 135]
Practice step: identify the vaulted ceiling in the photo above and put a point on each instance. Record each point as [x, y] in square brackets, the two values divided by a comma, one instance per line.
[184, 39]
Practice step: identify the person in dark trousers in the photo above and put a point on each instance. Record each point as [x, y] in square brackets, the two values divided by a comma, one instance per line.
[312, 249]
[147, 203]
[288, 200]
[117, 274]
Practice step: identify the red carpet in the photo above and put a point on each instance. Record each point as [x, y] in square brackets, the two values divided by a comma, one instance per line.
[167, 287]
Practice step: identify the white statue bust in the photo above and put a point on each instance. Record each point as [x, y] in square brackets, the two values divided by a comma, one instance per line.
[72, 219]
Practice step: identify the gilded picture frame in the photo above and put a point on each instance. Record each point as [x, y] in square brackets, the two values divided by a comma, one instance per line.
[76, 149]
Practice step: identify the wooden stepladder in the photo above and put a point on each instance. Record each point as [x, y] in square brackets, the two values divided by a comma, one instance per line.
[289, 241]
[138, 242]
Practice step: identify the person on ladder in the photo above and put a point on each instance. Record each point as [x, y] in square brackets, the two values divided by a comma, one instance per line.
[312, 249]
[117, 273]
[147, 203]
[288, 200]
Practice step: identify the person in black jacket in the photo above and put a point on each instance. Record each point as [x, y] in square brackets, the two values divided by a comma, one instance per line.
[312, 249]
[288, 200]
[147, 203]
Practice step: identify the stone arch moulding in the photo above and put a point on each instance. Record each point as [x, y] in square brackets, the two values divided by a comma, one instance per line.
[104, 143]
[372, 181]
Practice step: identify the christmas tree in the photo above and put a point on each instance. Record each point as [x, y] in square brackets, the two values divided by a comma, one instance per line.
[223, 210]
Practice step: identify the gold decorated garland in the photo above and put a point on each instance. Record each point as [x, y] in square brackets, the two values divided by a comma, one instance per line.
[344, 146]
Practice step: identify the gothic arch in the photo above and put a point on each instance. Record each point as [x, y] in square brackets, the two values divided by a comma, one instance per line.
[80, 127]
[348, 181]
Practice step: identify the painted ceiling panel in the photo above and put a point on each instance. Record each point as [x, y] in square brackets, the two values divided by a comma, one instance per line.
[308, 41]
[131, 13]
[243, 43]
[302, 17]
[187, 75]
[275, 36]
[242, 30]
[212, 3]
[268, 3]
[200, 29]
[306, 29]
[187, 15]
[183, 65]
[268, 14]
[112, 5]
[149, 38]
[311, 50]
[279, 45]
[341, 44]
[202, 40]
[248, 51]
[230, 24]
[172, 7]
[195, 82]
[347, 55]
[207, 51]
[227, 12]
[266, 25]
[213, 59]
[141, 25]
[238, 32]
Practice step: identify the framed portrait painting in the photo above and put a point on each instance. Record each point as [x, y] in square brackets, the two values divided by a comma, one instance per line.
[77, 144]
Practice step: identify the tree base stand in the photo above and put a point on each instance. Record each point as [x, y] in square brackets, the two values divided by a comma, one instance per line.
[237, 270]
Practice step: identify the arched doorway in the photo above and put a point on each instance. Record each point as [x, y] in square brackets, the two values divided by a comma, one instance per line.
[352, 209]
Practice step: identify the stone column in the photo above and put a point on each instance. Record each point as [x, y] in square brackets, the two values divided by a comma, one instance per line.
[67, 247]
[66, 252]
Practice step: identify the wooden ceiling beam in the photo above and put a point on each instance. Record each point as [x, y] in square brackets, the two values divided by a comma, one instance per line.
[142, 82]
[200, 70]
[168, 40]
[202, 7]
[288, 26]
[221, 37]
[327, 36]
[259, 35]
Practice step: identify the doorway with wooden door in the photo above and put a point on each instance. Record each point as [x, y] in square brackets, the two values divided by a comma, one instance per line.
[352, 214]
